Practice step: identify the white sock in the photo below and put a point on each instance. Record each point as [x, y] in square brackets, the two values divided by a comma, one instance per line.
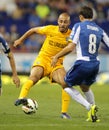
[90, 96]
[75, 94]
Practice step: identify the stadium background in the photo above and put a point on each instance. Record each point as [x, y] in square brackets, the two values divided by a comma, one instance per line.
[17, 16]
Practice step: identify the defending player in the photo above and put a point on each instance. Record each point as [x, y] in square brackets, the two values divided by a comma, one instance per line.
[56, 40]
[5, 48]
[86, 36]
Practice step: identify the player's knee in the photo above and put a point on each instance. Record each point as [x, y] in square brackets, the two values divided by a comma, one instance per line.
[63, 84]
[85, 89]
[35, 79]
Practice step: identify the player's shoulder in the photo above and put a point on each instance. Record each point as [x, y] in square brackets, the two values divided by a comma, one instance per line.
[46, 29]
[77, 24]
[75, 27]
[51, 26]
[98, 27]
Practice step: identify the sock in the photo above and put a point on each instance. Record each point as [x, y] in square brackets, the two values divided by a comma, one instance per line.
[25, 89]
[75, 94]
[90, 96]
[65, 101]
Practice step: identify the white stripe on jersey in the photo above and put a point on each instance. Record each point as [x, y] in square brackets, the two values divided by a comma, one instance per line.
[76, 36]
[105, 39]
[78, 47]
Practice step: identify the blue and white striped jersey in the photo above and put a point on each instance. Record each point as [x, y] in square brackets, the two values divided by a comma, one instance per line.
[4, 46]
[87, 36]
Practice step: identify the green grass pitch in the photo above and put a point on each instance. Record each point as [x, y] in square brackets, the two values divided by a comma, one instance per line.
[47, 117]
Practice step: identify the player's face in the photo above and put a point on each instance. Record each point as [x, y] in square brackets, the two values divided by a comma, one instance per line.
[63, 23]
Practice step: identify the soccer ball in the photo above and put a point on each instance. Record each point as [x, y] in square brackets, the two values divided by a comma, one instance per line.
[31, 106]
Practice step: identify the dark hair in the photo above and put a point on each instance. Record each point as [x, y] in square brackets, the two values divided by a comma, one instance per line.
[86, 12]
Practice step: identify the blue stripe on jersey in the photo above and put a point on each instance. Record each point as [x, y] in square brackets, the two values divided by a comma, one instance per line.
[5, 46]
[87, 35]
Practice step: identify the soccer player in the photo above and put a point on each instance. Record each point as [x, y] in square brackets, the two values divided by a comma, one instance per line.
[56, 40]
[4, 47]
[86, 37]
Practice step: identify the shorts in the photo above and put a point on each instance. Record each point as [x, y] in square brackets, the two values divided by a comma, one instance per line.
[83, 72]
[45, 62]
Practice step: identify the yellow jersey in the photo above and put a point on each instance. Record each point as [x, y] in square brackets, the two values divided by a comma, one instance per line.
[55, 40]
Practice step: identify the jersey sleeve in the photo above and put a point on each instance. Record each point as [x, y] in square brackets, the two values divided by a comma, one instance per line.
[44, 30]
[74, 36]
[105, 39]
[5, 47]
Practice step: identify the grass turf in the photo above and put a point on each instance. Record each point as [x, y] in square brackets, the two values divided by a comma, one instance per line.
[47, 117]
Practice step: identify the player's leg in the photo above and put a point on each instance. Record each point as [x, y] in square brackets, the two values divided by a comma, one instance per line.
[92, 109]
[74, 77]
[88, 94]
[65, 105]
[87, 82]
[35, 75]
[58, 77]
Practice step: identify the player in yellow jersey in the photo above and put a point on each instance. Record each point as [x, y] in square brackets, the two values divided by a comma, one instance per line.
[56, 40]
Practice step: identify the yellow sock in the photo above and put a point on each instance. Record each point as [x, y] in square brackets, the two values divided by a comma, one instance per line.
[25, 88]
[65, 101]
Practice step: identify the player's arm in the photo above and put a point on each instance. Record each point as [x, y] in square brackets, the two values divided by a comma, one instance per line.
[15, 78]
[10, 56]
[73, 40]
[69, 48]
[26, 35]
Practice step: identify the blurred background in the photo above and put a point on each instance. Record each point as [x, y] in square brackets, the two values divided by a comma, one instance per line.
[17, 16]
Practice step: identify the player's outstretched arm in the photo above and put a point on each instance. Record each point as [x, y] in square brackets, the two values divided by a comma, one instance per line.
[25, 36]
[15, 77]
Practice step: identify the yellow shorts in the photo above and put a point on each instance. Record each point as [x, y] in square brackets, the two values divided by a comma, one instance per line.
[45, 62]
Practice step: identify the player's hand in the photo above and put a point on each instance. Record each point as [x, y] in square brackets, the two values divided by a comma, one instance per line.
[17, 42]
[54, 61]
[16, 81]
